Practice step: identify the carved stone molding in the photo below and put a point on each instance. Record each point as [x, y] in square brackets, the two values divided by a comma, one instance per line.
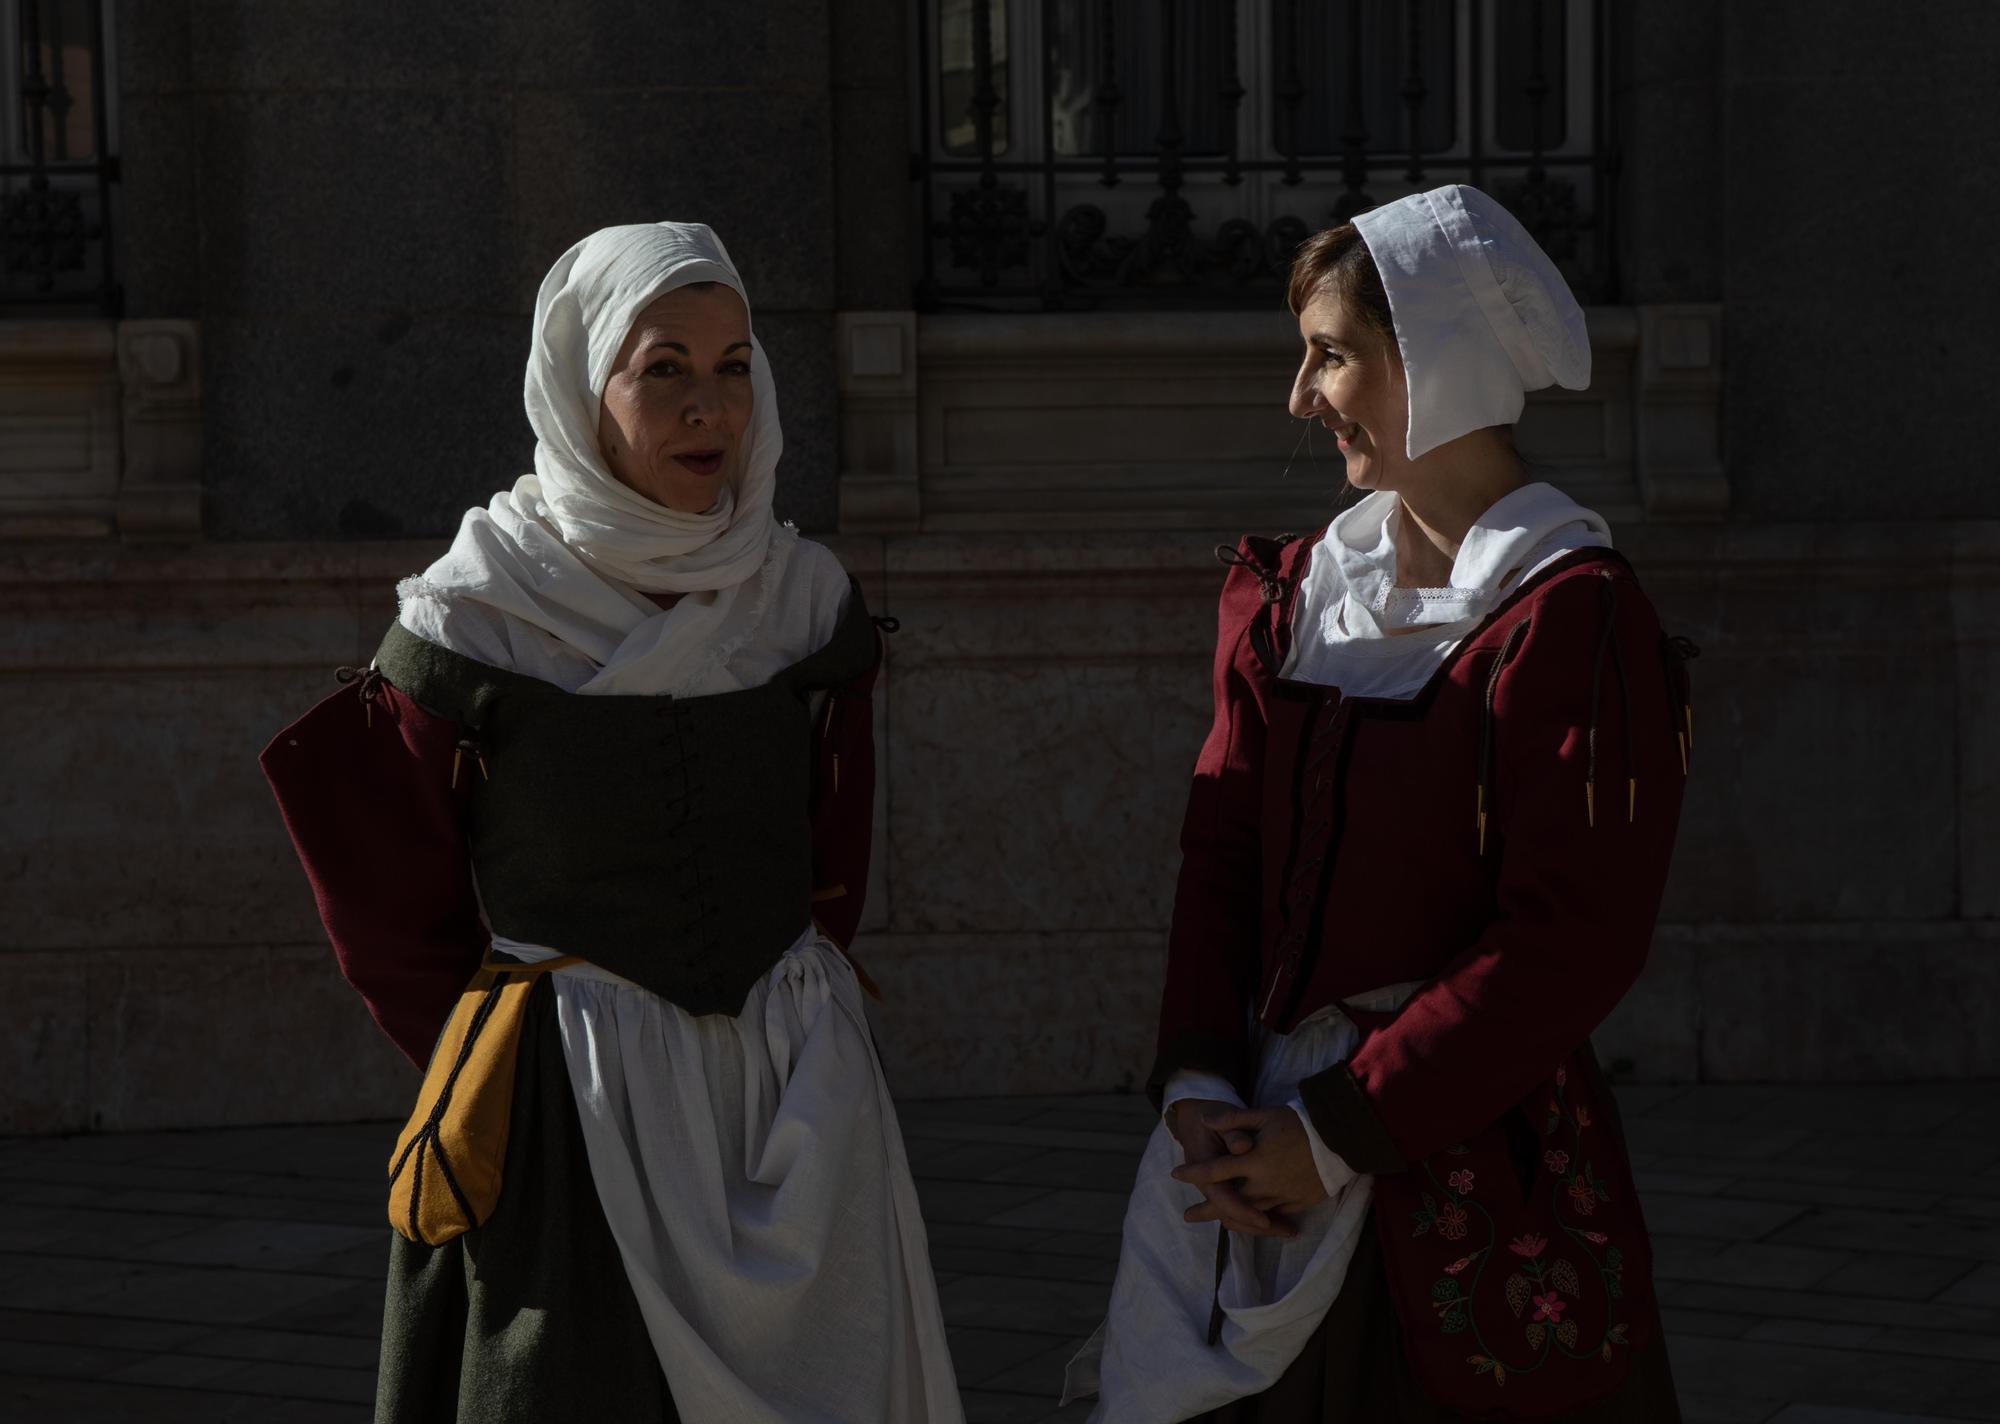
[1678, 414]
[1176, 420]
[100, 430]
[876, 355]
[159, 363]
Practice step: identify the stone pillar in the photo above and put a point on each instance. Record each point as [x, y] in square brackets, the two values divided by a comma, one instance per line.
[877, 363]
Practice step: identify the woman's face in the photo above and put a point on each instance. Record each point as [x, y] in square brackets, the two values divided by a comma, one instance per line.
[1351, 381]
[678, 399]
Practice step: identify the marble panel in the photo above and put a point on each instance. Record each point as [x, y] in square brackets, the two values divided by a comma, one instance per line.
[45, 1053]
[135, 812]
[972, 1015]
[223, 1037]
[1654, 1035]
[756, 165]
[1040, 798]
[296, 186]
[1848, 1002]
[360, 428]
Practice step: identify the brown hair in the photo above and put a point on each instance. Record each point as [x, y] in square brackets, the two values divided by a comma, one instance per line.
[1338, 261]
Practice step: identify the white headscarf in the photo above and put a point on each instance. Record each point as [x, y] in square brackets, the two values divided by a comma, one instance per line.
[1482, 316]
[569, 550]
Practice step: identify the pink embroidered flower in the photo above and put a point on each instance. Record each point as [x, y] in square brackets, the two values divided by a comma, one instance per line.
[1595, 1238]
[1529, 1246]
[1550, 1307]
[1460, 1264]
[1452, 1221]
[1461, 1182]
[1556, 1161]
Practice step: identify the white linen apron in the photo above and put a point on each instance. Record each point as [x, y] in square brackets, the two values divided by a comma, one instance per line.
[754, 1178]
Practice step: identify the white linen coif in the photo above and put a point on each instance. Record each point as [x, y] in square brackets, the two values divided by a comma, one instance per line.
[1482, 316]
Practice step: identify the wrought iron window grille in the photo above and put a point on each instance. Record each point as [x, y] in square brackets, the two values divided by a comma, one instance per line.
[1174, 153]
[59, 168]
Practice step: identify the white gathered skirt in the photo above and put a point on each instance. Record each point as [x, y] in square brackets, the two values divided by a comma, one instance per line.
[1150, 1362]
[754, 1178]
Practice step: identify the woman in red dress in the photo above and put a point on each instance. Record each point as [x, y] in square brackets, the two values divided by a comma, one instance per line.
[1423, 855]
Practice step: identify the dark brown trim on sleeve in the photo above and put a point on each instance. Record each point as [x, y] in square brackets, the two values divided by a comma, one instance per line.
[1346, 1122]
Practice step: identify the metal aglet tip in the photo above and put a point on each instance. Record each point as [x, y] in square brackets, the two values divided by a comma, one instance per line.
[1687, 710]
[1631, 799]
[836, 773]
[1482, 833]
[482, 766]
[1590, 803]
[457, 757]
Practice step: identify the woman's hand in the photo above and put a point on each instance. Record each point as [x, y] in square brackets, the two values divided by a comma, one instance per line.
[1273, 1176]
[1216, 1148]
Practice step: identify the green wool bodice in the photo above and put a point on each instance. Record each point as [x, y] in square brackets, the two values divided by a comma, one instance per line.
[664, 839]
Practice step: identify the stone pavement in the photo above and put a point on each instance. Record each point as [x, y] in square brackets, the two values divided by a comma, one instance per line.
[1827, 1256]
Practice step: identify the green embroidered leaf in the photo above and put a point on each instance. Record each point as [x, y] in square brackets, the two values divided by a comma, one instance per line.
[1566, 1332]
[1538, 1335]
[1430, 1204]
[1565, 1278]
[1480, 1363]
[1614, 1259]
[1454, 1323]
[1423, 1220]
[1617, 1335]
[1614, 1288]
[1554, 1123]
[1519, 1288]
[1445, 1289]
[1458, 1149]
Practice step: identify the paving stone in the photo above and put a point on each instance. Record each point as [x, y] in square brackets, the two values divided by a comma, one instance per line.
[1841, 1194]
[1096, 1171]
[1677, 1215]
[1979, 1287]
[1830, 1414]
[992, 1407]
[1682, 1320]
[31, 1400]
[1033, 1265]
[976, 1201]
[1072, 1211]
[968, 1161]
[1001, 1302]
[1807, 1305]
[1896, 1277]
[979, 1354]
[1709, 1409]
[1912, 1233]
[1743, 1262]
[1807, 1375]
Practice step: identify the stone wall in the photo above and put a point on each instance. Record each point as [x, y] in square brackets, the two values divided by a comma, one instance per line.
[1831, 912]
[357, 204]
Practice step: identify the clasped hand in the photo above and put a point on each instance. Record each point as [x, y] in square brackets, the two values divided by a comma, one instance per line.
[1253, 1166]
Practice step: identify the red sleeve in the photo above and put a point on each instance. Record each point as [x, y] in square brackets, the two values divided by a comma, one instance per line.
[843, 803]
[1212, 948]
[1575, 900]
[364, 782]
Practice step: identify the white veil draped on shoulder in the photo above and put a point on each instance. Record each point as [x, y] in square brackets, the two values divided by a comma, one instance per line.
[569, 550]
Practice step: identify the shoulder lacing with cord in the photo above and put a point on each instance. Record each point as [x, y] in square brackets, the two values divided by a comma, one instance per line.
[370, 679]
[1675, 654]
[1270, 583]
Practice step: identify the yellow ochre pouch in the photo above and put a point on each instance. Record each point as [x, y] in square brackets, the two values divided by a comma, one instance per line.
[444, 1176]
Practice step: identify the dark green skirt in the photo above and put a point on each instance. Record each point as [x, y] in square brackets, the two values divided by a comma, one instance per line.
[530, 1317]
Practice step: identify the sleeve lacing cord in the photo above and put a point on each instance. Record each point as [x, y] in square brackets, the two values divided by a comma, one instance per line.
[1608, 638]
[1676, 654]
[1270, 583]
[1485, 803]
[370, 679]
[468, 743]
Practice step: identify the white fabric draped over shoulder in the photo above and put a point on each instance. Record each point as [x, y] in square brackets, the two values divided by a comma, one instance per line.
[569, 552]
